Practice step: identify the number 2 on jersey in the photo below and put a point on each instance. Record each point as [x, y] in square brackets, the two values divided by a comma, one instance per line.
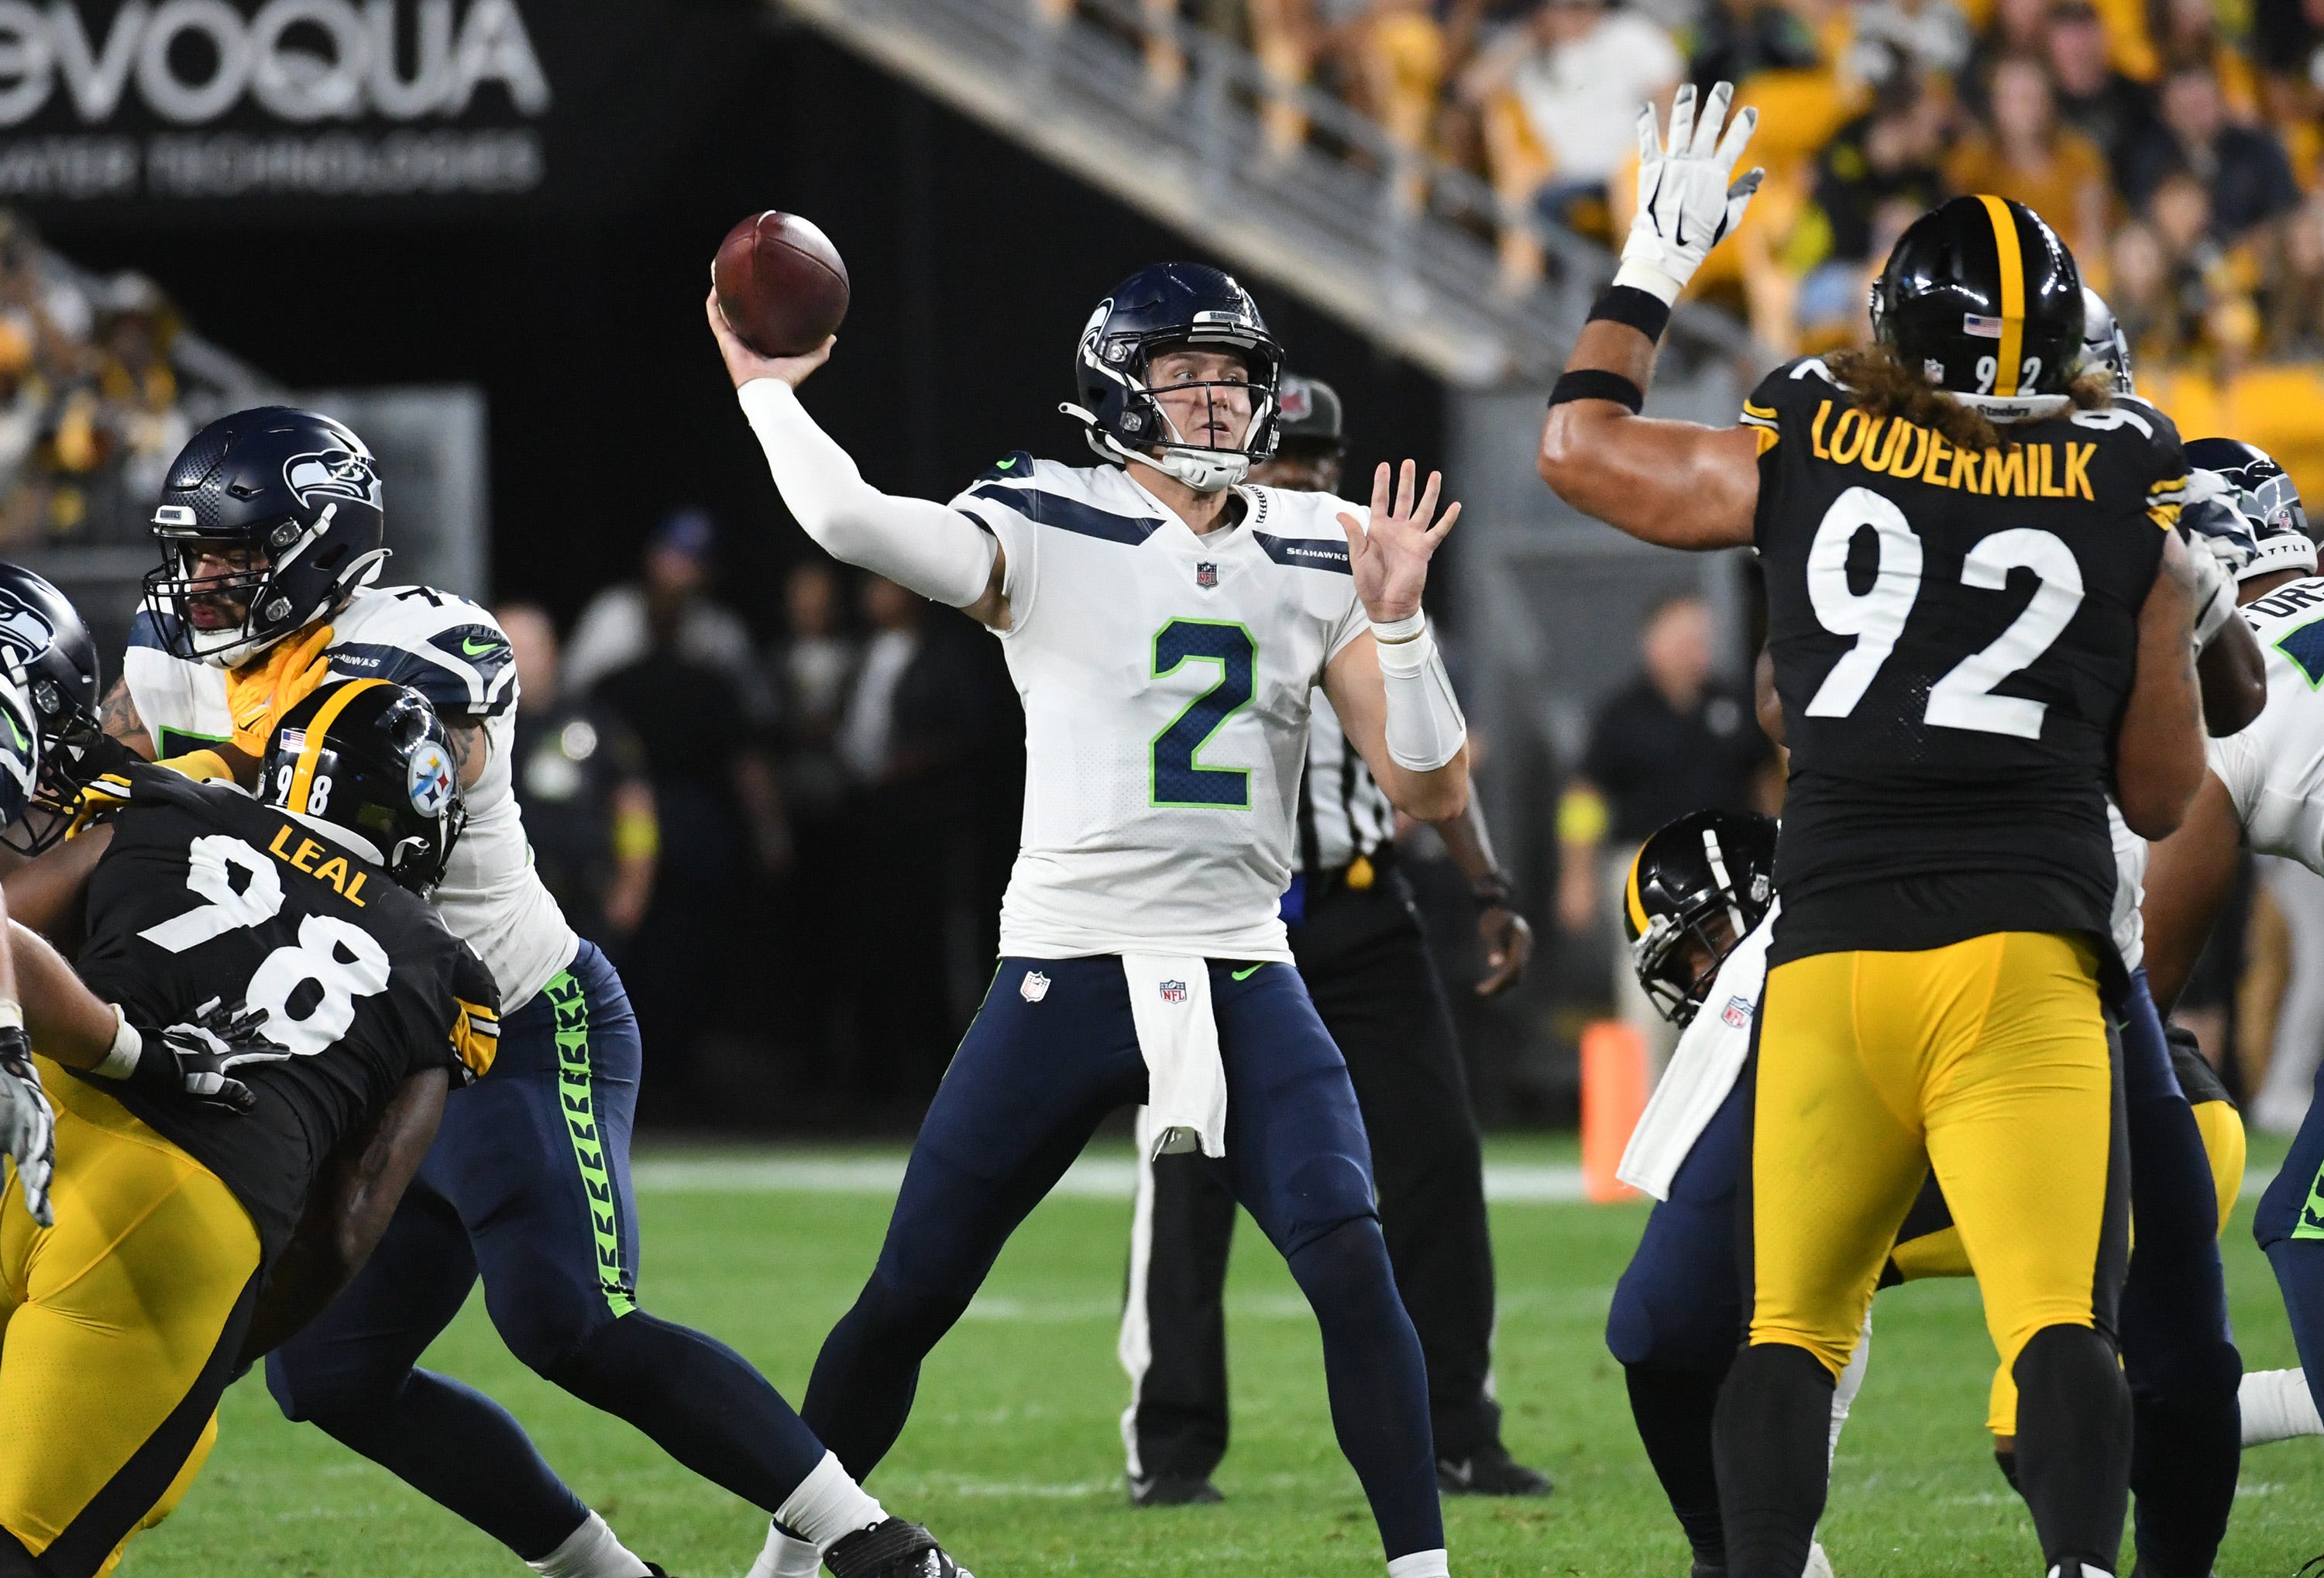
[344, 961]
[1178, 779]
[1963, 699]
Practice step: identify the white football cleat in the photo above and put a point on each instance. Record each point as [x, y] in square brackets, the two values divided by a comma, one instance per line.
[1819, 1565]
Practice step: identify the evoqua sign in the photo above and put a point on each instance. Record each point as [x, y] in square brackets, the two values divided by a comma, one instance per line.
[192, 61]
[125, 99]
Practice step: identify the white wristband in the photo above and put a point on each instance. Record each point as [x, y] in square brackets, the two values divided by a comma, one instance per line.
[1424, 728]
[1397, 632]
[12, 1012]
[120, 1059]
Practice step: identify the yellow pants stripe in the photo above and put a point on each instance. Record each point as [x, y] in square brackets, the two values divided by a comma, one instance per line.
[1987, 1061]
[119, 1328]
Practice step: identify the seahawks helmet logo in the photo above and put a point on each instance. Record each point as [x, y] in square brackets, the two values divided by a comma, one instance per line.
[429, 779]
[24, 629]
[332, 474]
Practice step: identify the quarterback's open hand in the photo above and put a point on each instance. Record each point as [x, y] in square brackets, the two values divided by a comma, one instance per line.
[745, 365]
[1688, 196]
[28, 1128]
[1389, 555]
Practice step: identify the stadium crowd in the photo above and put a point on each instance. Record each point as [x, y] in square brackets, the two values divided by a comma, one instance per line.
[2177, 144]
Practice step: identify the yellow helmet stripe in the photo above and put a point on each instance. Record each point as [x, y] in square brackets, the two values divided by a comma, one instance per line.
[302, 777]
[1630, 898]
[2013, 294]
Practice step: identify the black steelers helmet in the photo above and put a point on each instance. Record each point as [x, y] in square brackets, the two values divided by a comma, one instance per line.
[297, 491]
[1705, 866]
[1983, 298]
[374, 760]
[2264, 495]
[1164, 308]
[49, 657]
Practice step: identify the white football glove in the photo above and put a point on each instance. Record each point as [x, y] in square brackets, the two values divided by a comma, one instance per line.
[1688, 197]
[28, 1128]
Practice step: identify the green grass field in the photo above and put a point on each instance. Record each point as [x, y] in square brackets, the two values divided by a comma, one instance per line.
[1014, 1454]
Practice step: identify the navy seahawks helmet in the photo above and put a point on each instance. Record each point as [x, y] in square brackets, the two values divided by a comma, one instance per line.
[295, 493]
[2264, 497]
[1982, 296]
[49, 660]
[1705, 866]
[374, 760]
[2105, 347]
[1164, 308]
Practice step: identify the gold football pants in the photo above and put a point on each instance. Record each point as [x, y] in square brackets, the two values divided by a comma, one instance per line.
[119, 1327]
[1987, 1061]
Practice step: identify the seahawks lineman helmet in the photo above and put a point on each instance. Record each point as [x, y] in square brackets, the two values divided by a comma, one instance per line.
[1983, 298]
[2264, 497]
[49, 659]
[1704, 867]
[374, 762]
[1166, 307]
[291, 494]
[2105, 347]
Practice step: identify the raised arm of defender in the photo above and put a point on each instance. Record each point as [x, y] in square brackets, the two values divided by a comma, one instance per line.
[938, 552]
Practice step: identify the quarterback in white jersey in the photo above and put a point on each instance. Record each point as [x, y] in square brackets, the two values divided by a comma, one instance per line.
[1165, 626]
[270, 524]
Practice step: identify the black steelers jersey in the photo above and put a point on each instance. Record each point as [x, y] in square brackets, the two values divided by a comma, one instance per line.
[207, 893]
[1954, 635]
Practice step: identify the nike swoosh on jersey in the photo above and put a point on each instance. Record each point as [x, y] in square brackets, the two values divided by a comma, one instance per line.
[1246, 973]
[473, 648]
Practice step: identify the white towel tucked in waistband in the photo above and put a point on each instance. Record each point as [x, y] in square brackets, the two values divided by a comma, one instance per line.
[1185, 1082]
[1702, 1068]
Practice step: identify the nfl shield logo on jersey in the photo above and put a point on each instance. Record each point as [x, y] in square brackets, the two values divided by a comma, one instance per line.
[1737, 1013]
[1206, 575]
[1033, 987]
[1174, 992]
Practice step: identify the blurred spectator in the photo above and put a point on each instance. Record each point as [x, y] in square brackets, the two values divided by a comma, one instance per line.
[1881, 166]
[2187, 33]
[902, 740]
[677, 666]
[813, 667]
[135, 326]
[1736, 39]
[1389, 58]
[2244, 171]
[581, 777]
[1673, 741]
[2051, 169]
[1917, 38]
[2016, 28]
[1560, 94]
[2179, 291]
[2110, 108]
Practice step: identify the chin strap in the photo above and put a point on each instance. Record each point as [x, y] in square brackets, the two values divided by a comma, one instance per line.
[1206, 471]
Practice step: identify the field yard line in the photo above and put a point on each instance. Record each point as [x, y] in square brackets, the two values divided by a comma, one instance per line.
[1089, 1178]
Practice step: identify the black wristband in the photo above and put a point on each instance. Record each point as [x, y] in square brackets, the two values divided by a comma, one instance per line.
[1492, 891]
[1596, 384]
[1643, 310]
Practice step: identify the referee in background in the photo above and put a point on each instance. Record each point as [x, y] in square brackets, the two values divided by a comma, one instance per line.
[1359, 943]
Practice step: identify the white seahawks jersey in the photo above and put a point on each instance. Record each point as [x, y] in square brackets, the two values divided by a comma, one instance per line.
[2274, 768]
[1166, 678]
[453, 652]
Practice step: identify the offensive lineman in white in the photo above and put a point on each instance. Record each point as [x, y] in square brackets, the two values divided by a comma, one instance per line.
[1165, 626]
[271, 526]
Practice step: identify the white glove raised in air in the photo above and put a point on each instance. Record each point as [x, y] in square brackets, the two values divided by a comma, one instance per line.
[1688, 196]
[28, 1128]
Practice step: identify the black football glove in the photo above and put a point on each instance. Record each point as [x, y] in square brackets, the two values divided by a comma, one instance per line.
[28, 1128]
[194, 1059]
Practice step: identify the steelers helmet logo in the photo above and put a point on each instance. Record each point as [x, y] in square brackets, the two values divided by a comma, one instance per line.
[430, 778]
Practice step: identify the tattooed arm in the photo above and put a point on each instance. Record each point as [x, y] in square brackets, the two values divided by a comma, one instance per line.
[471, 747]
[118, 714]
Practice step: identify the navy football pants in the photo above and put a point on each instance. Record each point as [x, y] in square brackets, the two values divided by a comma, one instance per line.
[2289, 1227]
[528, 1184]
[1036, 1072]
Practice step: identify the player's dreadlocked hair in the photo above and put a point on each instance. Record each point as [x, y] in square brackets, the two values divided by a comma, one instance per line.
[1883, 386]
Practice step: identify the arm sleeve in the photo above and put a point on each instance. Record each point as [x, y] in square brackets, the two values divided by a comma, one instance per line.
[938, 552]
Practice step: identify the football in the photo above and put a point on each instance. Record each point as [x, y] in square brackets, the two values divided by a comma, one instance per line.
[780, 283]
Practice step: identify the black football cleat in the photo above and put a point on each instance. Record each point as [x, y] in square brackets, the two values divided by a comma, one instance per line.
[1489, 1471]
[656, 1570]
[894, 1549]
[1174, 1491]
[1703, 1569]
